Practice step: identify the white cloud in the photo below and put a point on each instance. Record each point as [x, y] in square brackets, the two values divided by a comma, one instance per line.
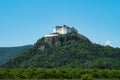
[107, 43]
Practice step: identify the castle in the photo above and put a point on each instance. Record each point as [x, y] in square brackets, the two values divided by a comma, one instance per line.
[62, 30]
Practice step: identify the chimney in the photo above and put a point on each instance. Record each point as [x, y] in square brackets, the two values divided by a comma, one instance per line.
[64, 26]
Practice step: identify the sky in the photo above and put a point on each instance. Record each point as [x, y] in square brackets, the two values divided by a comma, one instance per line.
[23, 22]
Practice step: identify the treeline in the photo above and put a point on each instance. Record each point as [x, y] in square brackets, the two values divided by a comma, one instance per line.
[60, 73]
[7, 53]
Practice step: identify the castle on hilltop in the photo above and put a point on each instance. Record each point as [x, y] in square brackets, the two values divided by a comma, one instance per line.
[62, 30]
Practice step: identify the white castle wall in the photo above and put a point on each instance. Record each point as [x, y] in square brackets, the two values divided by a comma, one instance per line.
[61, 30]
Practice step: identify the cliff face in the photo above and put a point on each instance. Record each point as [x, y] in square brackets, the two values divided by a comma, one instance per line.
[62, 39]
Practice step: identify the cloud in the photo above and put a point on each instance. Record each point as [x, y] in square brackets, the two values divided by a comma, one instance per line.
[107, 43]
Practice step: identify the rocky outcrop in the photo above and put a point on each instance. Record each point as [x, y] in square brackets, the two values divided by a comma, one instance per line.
[61, 39]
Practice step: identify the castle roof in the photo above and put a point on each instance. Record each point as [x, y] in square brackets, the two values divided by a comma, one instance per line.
[58, 27]
[62, 26]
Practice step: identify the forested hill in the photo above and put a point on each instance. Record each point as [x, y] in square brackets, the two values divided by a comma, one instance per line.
[7, 53]
[67, 51]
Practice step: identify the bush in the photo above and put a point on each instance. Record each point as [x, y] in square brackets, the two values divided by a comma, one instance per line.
[86, 77]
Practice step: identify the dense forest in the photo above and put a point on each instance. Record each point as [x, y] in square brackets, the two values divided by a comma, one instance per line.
[60, 73]
[67, 51]
[7, 53]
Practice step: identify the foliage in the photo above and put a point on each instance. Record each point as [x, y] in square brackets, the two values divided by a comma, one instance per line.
[67, 51]
[86, 77]
[60, 73]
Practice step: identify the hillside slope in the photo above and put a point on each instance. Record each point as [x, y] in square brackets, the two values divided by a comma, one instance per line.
[7, 53]
[67, 51]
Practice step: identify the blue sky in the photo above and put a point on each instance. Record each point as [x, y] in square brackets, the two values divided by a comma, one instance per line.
[23, 22]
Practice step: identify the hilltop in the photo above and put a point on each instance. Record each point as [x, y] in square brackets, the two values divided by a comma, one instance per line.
[71, 50]
[66, 48]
